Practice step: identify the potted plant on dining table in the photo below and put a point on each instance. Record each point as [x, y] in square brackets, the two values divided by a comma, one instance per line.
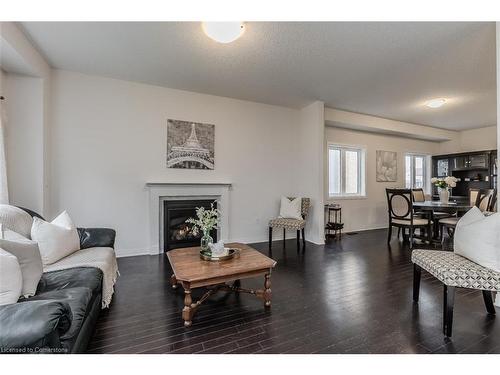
[443, 185]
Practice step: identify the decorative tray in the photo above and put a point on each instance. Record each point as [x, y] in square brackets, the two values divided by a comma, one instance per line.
[232, 252]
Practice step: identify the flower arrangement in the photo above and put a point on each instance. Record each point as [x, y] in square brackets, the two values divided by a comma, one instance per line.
[444, 183]
[205, 220]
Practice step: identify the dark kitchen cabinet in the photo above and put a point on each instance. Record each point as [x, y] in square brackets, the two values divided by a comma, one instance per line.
[478, 161]
[460, 162]
[473, 161]
[472, 169]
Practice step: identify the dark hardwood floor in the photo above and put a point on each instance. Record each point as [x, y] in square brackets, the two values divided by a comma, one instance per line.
[352, 296]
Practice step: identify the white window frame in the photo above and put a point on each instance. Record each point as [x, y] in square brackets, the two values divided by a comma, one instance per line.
[361, 150]
[427, 178]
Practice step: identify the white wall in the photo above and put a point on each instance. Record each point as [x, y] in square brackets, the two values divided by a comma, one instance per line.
[109, 139]
[309, 170]
[471, 140]
[26, 89]
[19, 55]
[24, 136]
[371, 212]
[374, 124]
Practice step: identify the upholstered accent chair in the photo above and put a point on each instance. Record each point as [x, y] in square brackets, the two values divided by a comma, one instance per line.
[401, 214]
[291, 224]
[484, 199]
[454, 271]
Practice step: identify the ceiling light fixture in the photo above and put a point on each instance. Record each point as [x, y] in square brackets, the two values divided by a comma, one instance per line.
[436, 103]
[223, 32]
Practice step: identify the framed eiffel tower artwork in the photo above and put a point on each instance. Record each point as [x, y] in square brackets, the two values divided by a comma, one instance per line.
[190, 145]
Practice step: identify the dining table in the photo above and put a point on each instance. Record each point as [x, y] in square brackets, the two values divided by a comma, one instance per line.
[452, 207]
[438, 206]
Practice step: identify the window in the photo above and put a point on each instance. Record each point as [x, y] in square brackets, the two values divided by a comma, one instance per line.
[416, 171]
[346, 171]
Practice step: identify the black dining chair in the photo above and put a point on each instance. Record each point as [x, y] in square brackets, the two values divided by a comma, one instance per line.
[484, 199]
[401, 215]
[419, 196]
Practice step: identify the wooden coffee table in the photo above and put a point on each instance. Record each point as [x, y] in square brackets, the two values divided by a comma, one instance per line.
[192, 272]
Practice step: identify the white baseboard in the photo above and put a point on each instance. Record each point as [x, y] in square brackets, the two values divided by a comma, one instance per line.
[122, 253]
[365, 229]
[275, 238]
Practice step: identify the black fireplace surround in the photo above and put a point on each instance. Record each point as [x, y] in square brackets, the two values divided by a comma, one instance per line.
[176, 232]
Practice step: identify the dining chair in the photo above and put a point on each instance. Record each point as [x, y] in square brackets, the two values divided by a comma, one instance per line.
[419, 196]
[484, 199]
[401, 214]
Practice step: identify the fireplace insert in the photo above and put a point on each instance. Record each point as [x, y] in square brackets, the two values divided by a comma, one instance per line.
[176, 232]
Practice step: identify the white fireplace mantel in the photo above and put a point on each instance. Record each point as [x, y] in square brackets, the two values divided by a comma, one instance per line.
[161, 191]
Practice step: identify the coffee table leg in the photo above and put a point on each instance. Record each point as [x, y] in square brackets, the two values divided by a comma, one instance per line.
[187, 310]
[173, 282]
[267, 291]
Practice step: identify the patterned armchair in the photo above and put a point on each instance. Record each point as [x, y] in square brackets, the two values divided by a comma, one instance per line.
[291, 224]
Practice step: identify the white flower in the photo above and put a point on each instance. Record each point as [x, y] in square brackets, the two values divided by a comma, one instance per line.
[450, 180]
[434, 180]
[206, 219]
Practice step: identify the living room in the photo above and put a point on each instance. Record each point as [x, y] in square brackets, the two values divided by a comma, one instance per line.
[166, 176]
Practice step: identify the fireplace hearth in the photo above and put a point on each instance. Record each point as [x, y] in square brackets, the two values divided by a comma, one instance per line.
[177, 233]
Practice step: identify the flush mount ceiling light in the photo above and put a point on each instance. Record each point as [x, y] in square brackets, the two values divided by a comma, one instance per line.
[435, 103]
[223, 32]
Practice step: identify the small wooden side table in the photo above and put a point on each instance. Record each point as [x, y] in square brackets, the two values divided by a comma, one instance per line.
[334, 223]
[192, 272]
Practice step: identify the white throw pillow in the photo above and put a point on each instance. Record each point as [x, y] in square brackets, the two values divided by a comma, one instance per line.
[15, 219]
[291, 209]
[11, 279]
[57, 239]
[63, 220]
[477, 237]
[28, 256]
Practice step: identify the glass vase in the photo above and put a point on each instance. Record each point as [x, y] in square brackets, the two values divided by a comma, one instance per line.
[206, 240]
[444, 195]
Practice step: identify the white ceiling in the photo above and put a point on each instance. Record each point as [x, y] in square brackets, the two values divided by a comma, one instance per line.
[382, 69]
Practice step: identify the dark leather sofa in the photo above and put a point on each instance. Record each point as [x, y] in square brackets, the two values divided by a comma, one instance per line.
[61, 316]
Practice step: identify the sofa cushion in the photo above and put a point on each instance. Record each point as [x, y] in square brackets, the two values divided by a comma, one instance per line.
[36, 324]
[11, 278]
[15, 219]
[57, 239]
[103, 258]
[28, 256]
[78, 299]
[87, 277]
